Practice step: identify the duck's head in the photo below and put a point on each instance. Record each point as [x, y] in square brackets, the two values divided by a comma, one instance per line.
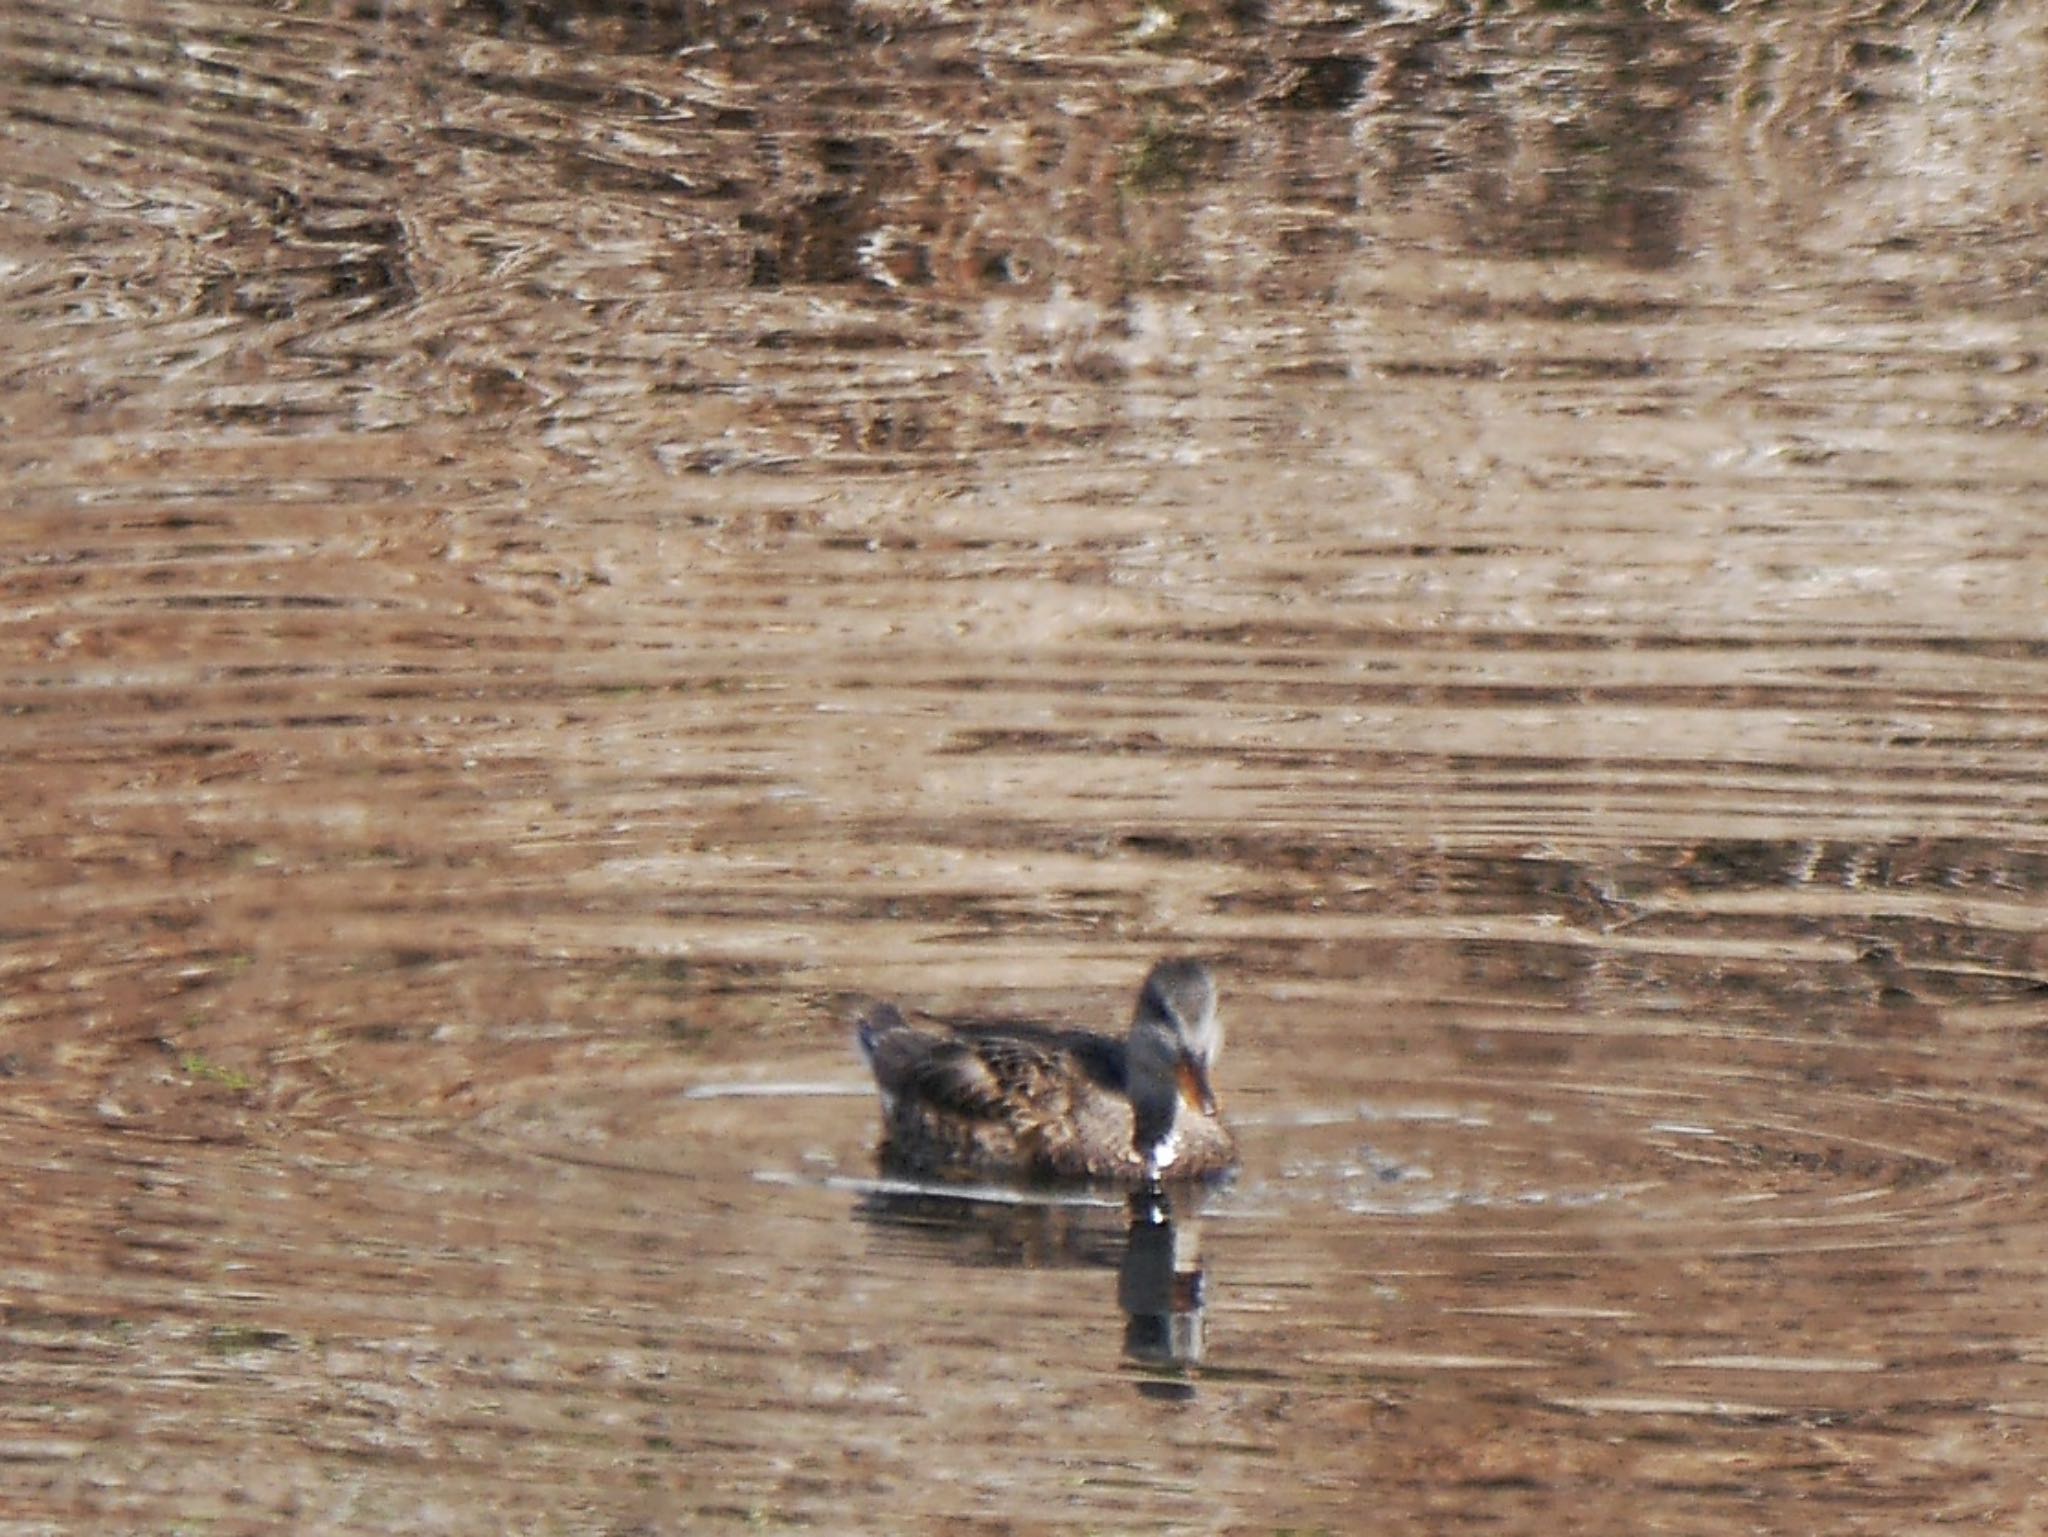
[1174, 1041]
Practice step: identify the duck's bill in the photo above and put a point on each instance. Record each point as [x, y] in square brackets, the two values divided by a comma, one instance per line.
[1194, 1086]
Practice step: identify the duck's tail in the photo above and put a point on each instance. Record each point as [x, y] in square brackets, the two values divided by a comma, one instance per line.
[887, 1044]
[877, 1023]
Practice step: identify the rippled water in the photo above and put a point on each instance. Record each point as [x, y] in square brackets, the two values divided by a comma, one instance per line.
[547, 548]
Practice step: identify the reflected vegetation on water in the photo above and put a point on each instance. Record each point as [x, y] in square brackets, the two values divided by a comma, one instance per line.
[549, 546]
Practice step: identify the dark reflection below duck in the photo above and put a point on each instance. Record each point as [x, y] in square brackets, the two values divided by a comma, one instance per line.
[1161, 1284]
[1161, 1289]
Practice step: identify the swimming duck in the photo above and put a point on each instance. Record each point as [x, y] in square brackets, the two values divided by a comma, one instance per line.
[1026, 1101]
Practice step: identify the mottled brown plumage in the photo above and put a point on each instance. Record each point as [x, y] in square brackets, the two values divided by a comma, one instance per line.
[1034, 1102]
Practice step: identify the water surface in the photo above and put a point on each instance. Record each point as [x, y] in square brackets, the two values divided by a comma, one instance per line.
[548, 548]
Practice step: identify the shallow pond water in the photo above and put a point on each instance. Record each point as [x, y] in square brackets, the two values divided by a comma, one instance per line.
[551, 548]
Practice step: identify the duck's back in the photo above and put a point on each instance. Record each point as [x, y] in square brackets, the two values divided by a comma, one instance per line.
[1017, 1102]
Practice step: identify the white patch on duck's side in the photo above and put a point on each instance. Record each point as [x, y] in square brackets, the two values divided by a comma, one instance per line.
[1165, 1150]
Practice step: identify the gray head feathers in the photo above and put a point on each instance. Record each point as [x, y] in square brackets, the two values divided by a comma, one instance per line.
[1174, 1039]
[1181, 994]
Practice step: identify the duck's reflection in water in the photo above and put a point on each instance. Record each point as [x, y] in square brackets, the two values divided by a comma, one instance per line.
[1160, 1286]
[1157, 1256]
[996, 1228]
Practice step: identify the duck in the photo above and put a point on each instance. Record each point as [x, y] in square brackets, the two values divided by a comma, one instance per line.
[1039, 1103]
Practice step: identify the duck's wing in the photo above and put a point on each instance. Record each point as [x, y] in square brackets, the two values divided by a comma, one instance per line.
[989, 1073]
[991, 1077]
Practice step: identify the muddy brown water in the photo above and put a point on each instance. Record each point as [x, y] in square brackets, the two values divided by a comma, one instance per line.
[548, 548]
